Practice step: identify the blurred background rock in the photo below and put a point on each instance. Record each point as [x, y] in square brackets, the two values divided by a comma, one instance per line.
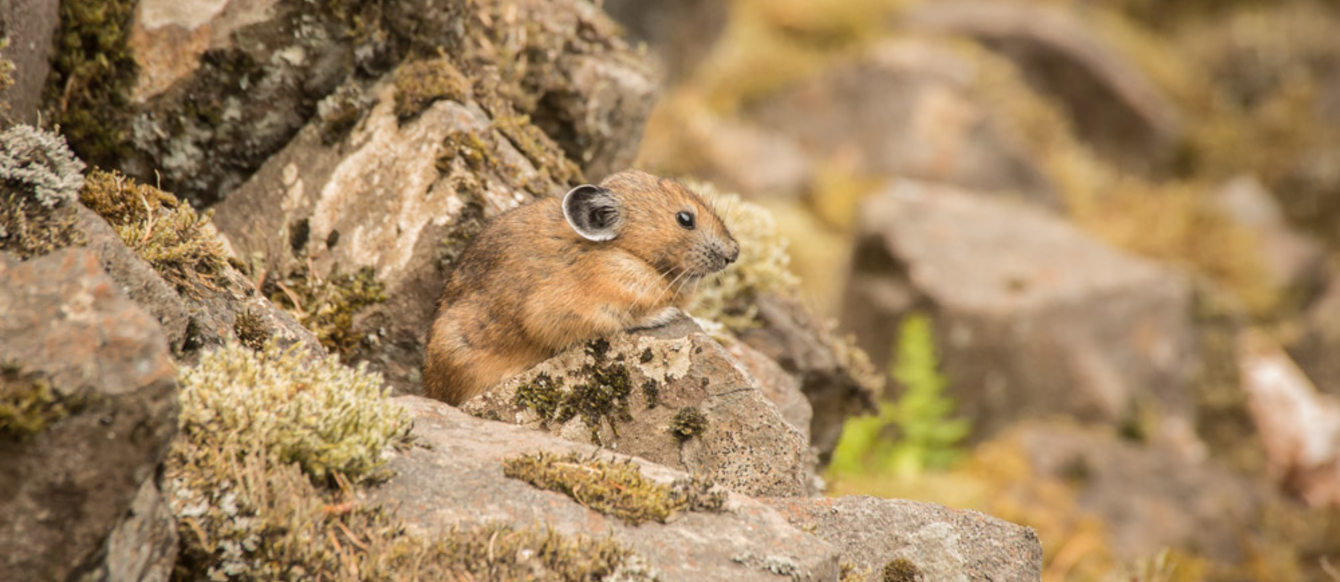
[1096, 203]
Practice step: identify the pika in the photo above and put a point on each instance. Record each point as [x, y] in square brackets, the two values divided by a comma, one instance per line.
[552, 273]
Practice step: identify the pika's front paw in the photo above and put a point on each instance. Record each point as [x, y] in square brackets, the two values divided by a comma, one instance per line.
[657, 319]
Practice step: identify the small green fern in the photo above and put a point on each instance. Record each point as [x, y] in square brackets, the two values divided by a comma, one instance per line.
[917, 431]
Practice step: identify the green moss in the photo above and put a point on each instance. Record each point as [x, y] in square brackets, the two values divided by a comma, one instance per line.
[651, 392]
[598, 393]
[688, 423]
[902, 570]
[541, 394]
[28, 229]
[323, 416]
[28, 404]
[6, 81]
[849, 572]
[419, 83]
[613, 488]
[250, 329]
[92, 75]
[340, 111]
[327, 306]
[261, 485]
[180, 244]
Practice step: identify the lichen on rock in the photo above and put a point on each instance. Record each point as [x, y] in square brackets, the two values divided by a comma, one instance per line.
[41, 179]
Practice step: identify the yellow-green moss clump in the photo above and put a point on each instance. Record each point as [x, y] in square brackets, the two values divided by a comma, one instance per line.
[323, 416]
[901, 570]
[600, 399]
[28, 404]
[92, 74]
[179, 243]
[688, 423]
[614, 488]
[327, 305]
[763, 266]
[419, 83]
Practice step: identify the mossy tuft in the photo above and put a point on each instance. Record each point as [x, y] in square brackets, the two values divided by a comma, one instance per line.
[419, 83]
[317, 413]
[180, 244]
[92, 74]
[902, 570]
[28, 404]
[39, 180]
[327, 305]
[688, 423]
[250, 330]
[614, 488]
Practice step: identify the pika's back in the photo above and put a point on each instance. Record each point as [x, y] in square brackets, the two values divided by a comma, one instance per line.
[556, 272]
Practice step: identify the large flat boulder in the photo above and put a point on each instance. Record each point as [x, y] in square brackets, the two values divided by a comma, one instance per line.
[673, 396]
[1032, 316]
[456, 478]
[922, 541]
[88, 394]
[1114, 107]
[908, 108]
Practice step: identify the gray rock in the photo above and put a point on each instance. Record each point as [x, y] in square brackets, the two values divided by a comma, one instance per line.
[680, 32]
[143, 548]
[137, 278]
[777, 385]
[1315, 351]
[1113, 106]
[940, 542]
[1294, 263]
[906, 108]
[837, 380]
[457, 479]
[1148, 497]
[221, 86]
[111, 412]
[746, 445]
[1032, 317]
[30, 26]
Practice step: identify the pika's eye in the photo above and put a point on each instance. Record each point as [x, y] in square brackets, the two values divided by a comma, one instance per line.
[685, 219]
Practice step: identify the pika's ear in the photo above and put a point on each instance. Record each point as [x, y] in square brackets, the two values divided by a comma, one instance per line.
[593, 212]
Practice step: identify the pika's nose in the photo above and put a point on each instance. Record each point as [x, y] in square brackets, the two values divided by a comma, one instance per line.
[732, 252]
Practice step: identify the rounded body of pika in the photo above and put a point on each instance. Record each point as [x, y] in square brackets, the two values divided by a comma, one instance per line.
[552, 273]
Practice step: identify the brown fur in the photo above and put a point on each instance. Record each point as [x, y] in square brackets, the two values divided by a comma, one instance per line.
[529, 286]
